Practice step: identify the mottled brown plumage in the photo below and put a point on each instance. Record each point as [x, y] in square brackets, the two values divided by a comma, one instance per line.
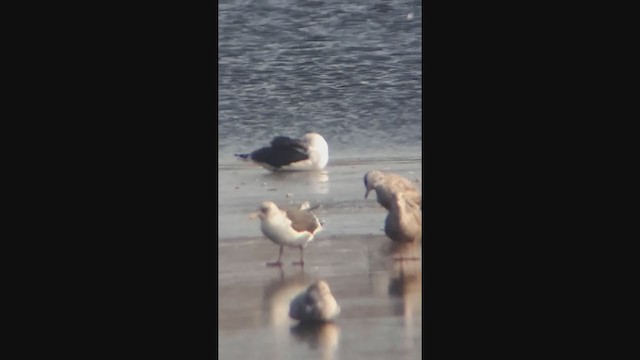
[302, 220]
[386, 184]
[404, 221]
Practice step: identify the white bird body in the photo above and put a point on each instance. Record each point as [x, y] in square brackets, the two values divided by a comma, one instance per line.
[318, 150]
[291, 226]
[278, 229]
[316, 304]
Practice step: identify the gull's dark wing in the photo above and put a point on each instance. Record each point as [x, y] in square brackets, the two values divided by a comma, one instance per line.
[287, 142]
[278, 156]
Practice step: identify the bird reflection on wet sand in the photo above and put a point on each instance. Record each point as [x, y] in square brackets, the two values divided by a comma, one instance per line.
[322, 336]
[406, 279]
[405, 287]
[277, 295]
[311, 182]
[410, 251]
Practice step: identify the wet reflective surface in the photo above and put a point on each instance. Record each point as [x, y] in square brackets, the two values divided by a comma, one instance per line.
[381, 303]
[351, 71]
[380, 296]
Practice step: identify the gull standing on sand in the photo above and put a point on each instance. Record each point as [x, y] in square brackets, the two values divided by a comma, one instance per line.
[316, 304]
[404, 221]
[386, 184]
[290, 226]
[310, 152]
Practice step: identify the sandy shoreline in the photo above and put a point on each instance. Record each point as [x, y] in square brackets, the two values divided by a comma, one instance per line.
[380, 298]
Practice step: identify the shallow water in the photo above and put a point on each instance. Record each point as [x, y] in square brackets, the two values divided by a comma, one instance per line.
[339, 190]
[350, 70]
[381, 298]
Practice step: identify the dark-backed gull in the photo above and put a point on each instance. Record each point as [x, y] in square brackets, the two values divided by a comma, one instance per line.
[310, 152]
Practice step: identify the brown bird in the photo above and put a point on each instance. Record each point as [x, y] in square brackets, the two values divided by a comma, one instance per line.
[404, 221]
[386, 184]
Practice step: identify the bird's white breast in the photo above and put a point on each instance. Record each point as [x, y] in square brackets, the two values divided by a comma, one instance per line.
[278, 229]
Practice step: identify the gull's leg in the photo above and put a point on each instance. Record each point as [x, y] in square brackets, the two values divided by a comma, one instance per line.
[301, 262]
[277, 263]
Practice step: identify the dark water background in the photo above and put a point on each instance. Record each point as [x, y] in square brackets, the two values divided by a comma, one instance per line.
[350, 70]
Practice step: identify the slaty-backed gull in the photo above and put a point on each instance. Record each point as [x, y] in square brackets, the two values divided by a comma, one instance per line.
[310, 152]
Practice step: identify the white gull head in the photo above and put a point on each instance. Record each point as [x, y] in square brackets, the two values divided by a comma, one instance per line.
[318, 150]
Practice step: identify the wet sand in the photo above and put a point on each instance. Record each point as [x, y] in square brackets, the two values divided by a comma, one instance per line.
[381, 298]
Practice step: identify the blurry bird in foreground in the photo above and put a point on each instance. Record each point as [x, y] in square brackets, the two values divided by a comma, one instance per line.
[316, 304]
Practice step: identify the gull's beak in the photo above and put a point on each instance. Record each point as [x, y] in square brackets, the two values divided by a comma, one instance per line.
[254, 215]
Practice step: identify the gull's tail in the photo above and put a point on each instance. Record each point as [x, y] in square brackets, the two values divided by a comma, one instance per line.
[243, 156]
[306, 206]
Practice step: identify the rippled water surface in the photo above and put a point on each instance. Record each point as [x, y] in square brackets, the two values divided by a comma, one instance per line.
[350, 70]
